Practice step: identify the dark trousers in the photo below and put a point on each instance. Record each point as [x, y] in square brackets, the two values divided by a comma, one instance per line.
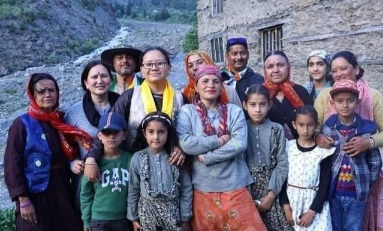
[111, 225]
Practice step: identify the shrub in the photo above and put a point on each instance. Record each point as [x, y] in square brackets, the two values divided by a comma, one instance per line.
[7, 220]
[191, 39]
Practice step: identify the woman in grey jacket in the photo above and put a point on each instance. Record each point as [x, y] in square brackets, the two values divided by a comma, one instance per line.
[214, 134]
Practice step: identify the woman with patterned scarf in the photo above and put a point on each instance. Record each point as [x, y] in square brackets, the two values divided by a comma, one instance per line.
[286, 95]
[212, 133]
[154, 94]
[193, 60]
[36, 159]
[345, 66]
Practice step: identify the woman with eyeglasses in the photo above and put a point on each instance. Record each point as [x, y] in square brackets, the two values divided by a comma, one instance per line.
[38, 150]
[195, 59]
[96, 79]
[214, 136]
[154, 94]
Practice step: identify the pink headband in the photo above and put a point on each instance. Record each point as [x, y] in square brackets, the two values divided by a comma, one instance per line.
[207, 70]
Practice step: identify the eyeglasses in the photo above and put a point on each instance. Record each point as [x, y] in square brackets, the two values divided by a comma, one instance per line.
[239, 40]
[151, 65]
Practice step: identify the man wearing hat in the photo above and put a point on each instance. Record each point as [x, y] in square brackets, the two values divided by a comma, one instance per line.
[236, 73]
[125, 62]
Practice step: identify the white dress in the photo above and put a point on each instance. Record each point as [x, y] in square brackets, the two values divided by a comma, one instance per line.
[304, 171]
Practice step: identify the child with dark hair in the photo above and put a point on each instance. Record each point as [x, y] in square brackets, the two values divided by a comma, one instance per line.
[352, 176]
[308, 178]
[266, 157]
[102, 202]
[160, 194]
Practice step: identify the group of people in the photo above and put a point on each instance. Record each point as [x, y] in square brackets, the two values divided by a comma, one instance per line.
[234, 150]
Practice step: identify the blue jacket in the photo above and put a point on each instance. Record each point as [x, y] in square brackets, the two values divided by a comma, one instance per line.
[365, 166]
[37, 156]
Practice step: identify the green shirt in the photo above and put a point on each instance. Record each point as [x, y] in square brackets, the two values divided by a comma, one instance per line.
[106, 199]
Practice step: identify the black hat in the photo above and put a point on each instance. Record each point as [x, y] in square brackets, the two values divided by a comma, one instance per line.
[108, 55]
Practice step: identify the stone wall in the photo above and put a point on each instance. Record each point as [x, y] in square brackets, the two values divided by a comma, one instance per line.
[332, 25]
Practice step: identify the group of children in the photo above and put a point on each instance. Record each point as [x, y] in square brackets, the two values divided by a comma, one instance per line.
[297, 184]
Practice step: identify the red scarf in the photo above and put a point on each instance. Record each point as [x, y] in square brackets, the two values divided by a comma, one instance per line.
[287, 89]
[208, 128]
[67, 133]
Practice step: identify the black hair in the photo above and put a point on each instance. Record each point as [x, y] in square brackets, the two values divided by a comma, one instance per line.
[172, 139]
[160, 49]
[276, 52]
[259, 89]
[90, 65]
[35, 77]
[351, 59]
[306, 110]
[328, 73]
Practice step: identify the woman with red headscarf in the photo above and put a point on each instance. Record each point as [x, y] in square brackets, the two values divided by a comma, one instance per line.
[285, 94]
[36, 161]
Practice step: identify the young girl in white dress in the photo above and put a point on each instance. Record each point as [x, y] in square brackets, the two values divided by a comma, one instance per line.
[309, 175]
[159, 194]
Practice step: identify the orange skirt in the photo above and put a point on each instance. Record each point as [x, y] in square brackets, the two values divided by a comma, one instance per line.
[232, 210]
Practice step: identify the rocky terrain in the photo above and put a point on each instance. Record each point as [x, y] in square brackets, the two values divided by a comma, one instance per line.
[13, 100]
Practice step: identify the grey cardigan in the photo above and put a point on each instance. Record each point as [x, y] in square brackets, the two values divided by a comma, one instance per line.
[224, 168]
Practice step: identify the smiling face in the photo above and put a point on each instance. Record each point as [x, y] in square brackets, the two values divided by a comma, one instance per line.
[124, 65]
[277, 69]
[237, 57]
[157, 72]
[317, 68]
[193, 63]
[156, 134]
[98, 80]
[45, 94]
[209, 87]
[341, 69]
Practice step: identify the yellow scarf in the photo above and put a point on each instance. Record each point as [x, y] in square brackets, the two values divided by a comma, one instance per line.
[148, 100]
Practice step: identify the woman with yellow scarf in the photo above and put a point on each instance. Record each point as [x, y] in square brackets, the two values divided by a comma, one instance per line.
[154, 94]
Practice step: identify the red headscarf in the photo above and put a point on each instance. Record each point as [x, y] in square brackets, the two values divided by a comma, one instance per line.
[67, 133]
[286, 87]
[189, 91]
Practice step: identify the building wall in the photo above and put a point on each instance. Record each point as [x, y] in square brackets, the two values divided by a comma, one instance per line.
[332, 25]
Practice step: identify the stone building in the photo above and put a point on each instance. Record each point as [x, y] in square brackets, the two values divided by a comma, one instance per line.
[297, 27]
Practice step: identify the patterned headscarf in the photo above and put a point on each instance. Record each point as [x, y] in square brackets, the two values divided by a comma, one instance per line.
[189, 91]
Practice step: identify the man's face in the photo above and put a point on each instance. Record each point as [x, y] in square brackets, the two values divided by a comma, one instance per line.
[124, 65]
[237, 57]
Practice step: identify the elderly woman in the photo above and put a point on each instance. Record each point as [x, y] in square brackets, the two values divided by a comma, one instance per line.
[212, 133]
[286, 95]
[319, 71]
[154, 94]
[36, 159]
[193, 60]
[96, 79]
[345, 66]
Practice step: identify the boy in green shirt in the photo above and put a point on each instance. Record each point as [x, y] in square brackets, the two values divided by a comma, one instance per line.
[104, 203]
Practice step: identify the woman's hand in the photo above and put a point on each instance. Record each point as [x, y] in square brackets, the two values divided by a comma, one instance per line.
[324, 141]
[27, 210]
[201, 158]
[224, 139]
[356, 145]
[136, 226]
[306, 219]
[91, 170]
[77, 166]
[88, 229]
[266, 202]
[177, 157]
[288, 214]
